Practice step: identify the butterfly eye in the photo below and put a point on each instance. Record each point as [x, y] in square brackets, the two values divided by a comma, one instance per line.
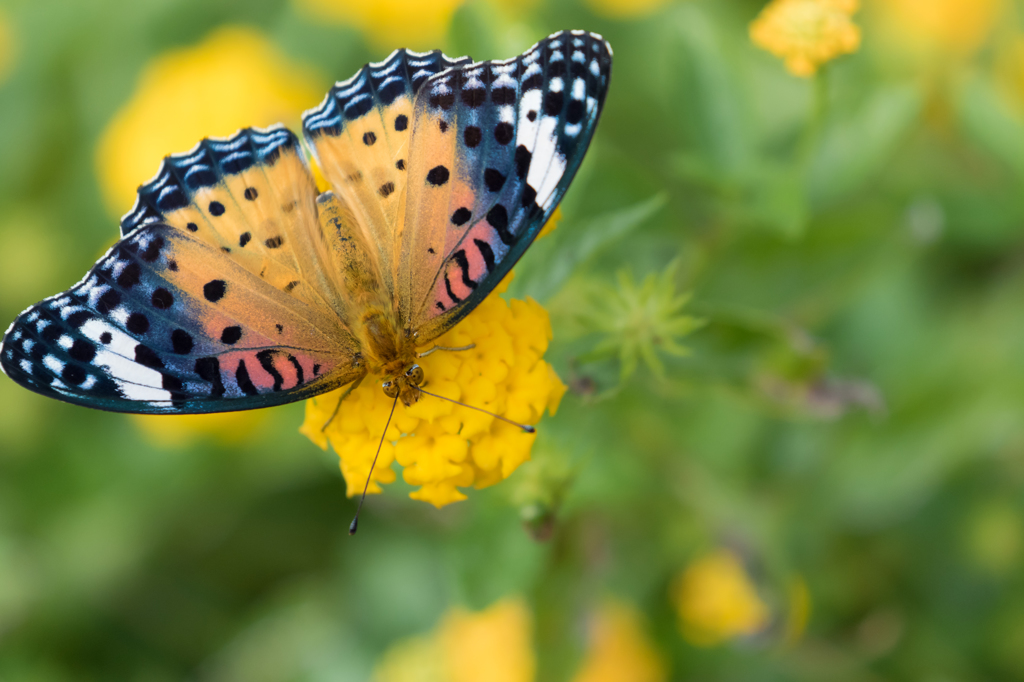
[390, 389]
[415, 375]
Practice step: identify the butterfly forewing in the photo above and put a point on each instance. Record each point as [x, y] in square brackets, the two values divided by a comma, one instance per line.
[494, 147]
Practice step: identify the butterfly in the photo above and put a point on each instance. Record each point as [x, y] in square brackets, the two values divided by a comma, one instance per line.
[237, 285]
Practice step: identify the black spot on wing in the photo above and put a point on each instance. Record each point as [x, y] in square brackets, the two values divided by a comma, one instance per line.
[244, 381]
[181, 342]
[486, 252]
[494, 180]
[214, 290]
[208, 369]
[463, 264]
[162, 299]
[497, 218]
[137, 324]
[144, 355]
[82, 351]
[437, 176]
[231, 335]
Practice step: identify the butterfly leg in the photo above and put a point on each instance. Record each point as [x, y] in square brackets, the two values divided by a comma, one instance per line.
[431, 350]
[353, 386]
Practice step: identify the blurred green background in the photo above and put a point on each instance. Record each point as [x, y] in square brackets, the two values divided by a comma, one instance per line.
[829, 486]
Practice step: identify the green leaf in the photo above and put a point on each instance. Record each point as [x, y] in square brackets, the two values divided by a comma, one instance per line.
[987, 119]
[854, 149]
[555, 257]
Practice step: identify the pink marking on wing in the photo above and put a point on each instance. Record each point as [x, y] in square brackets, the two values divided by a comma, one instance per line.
[477, 264]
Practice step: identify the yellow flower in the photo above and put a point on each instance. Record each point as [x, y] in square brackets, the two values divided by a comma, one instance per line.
[441, 446]
[619, 649]
[234, 78]
[6, 45]
[180, 429]
[625, 9]
[958, 26]
[716, 600]
[806, 33]
[416, 24]
[492, 645]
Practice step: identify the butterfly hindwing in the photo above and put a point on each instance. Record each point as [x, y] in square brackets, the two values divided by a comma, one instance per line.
[188, 314]
[164, 323]
[494, 148]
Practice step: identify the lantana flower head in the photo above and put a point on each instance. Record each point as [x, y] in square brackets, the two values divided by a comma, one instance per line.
[493, 644]
[933, 27]
[619, 648]
[807, 33]
[441, 446]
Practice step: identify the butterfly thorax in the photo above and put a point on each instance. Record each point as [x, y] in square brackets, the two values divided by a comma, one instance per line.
[388, 352]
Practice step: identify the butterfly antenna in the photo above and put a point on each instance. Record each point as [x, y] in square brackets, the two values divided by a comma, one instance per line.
[354, 526]
[524, 427]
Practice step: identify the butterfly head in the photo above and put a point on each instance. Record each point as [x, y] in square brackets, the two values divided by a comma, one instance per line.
[405, 386]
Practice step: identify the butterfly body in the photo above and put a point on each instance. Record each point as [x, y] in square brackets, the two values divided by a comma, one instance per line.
[238, 285]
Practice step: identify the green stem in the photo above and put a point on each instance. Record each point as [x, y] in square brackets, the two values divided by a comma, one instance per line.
[816, 125]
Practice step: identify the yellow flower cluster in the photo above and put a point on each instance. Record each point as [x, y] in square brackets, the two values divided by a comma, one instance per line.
[806, 33]
[442, 446]
[957, 26]
[619, 649]
[416, 24]
[495, 645]
[716, 600]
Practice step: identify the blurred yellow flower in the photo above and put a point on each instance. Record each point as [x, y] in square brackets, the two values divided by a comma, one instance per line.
[416, 24]
[716, 600]
[625, 9]
[619, 649]
[6, 45]
[958, 26]
[492, 645]
[806, 33]
[181, 429]
[234, 78]
[441, 446]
